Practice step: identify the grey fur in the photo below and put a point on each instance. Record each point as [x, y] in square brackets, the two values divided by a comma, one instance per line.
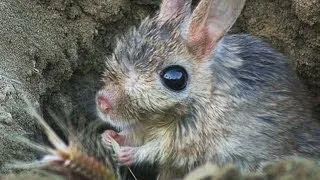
[243, 104]
[269, 114]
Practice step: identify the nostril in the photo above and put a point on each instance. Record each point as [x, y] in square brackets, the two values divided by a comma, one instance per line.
[104, 104]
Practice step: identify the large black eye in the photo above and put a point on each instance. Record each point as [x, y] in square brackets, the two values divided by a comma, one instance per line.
[174, 77]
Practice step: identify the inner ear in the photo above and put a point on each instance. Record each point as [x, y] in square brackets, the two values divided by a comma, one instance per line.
[209, 22]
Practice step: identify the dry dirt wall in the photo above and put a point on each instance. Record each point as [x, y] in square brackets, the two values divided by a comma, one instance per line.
[52, 50]
[46, 48]
[292, 27]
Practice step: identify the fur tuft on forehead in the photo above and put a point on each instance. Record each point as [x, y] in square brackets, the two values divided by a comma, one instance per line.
[151, 43]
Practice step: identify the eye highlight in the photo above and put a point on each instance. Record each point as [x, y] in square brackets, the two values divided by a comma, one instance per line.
[174, 78]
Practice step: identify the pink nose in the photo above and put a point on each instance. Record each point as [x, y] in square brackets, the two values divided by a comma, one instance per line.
[104, 104]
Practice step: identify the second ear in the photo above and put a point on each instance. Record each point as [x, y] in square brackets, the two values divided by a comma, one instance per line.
[209, 22]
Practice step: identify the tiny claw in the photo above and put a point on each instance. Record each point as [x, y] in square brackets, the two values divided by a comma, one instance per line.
[127, 155]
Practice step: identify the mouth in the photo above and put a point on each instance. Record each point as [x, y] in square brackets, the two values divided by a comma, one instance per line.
[119, 124]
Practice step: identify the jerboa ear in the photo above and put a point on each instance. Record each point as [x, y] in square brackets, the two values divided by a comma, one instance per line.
[209, 22]
[172, 8]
